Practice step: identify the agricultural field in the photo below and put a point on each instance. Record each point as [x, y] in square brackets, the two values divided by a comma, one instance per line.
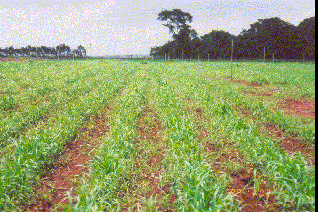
[116, 135]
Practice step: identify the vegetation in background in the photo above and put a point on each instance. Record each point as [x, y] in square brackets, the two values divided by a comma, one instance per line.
[61, 51]
[281, 40]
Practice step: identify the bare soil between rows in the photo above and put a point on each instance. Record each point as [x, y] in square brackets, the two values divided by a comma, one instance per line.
[298, 108]
[239, 81]
[292, 145]
[242, 186]
[289, 143]
[52, 192]
[149, 129]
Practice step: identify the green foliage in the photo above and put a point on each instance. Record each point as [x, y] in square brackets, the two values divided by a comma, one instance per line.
[182, 94]
[7, 103]
[261, 81]
[281, 39]
[35, 148]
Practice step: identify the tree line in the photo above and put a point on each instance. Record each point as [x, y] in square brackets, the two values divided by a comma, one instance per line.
[272, 36]
[60, 51]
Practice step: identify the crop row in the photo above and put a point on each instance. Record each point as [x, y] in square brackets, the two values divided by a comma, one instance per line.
[32, 153]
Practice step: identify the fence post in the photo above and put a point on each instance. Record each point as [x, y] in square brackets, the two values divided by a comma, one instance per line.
[232, 60]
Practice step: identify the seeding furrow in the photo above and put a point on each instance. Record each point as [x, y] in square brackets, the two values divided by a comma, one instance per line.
[36, 152]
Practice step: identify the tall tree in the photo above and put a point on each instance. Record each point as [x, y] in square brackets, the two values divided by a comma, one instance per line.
[162, 51]
[307, 41]
[178, 23]
[63, 50]
[176, 20]
[273, 34]
[216, 44]
[81, 51]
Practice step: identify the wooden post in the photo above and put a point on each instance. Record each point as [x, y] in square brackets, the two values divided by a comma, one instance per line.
[182, 54]
[90, 48]
[232, 59]
[264, 54]
[273, 58]
[208, 57]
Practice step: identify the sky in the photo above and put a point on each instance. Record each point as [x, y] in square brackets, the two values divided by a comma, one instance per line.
[125, 27]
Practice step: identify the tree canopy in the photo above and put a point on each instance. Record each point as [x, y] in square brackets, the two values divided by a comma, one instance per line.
[278, 37]
[178, 23]
[176, 19]
[61, 51]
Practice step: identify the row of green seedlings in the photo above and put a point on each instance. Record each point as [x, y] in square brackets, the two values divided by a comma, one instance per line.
[35, 151]
[267, 108]
[290, 190]
[14, 123]
[268, 112]
[38, 83]
[146, 190]
[111, 177]
[292, 178]
[295, 184]
[112, 174]
[196, 185]
[291, 79]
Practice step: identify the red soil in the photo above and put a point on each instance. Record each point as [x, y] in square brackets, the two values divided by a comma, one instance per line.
[71, 164]
[292, 145]
[239, 81]
[299, 108]
[258, 94]
[242, 186]
[150, 130]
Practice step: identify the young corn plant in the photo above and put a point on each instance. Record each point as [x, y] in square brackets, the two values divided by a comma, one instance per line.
[110, 177]
[21, 169]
